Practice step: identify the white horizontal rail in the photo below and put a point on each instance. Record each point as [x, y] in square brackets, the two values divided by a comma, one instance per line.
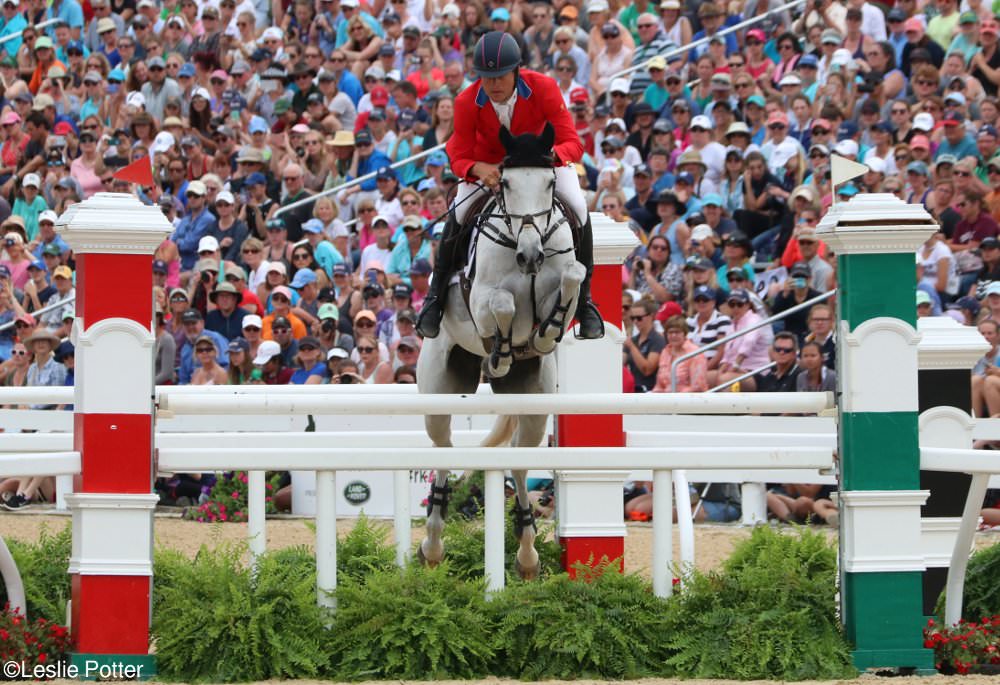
[335, 458]
[14, 465]
[958, 460]
[423, 405]
[61, 394]
[986, 429]
[725, 437]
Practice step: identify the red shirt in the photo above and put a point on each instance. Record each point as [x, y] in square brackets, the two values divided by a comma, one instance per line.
[477, 128]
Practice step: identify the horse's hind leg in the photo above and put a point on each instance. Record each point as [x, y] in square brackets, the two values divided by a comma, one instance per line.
[562, 302]
[530, 433]
[431, 549]
[526, 563]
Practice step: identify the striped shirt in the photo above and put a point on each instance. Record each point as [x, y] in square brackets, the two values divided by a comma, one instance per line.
[718, 326]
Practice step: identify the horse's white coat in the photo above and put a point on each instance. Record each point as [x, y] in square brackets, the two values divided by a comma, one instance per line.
[501, 301]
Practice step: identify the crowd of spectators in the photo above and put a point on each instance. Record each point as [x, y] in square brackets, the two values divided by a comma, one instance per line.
[714, 145]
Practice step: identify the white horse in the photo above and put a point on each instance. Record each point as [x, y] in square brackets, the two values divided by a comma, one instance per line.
[524, 285]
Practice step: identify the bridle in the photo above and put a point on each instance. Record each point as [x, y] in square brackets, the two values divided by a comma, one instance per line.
[509, 238]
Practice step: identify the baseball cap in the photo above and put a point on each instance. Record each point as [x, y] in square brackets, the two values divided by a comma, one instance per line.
[302, 278]
[420, 267]
[62, 271]
[267, 350]
[328, 310]
[159, 266]
[704, 292]
[252, 321]
[740, 295]
[208, 244]
[191, 315]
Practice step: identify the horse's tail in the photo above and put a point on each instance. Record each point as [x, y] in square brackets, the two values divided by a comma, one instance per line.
[501, 433]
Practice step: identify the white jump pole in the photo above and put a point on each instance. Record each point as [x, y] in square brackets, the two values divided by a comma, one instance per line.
[256, 519]
[663, 533]
[494, 533]
[326, 538]
[401, 515]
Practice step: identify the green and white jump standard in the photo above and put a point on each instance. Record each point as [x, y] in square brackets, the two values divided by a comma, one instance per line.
[875, 237]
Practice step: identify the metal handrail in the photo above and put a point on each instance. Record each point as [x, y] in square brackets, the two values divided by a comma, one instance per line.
[358, 180]
[720, 386]
[39, 25]
[43, 310]
[701, 41]
[738, 334]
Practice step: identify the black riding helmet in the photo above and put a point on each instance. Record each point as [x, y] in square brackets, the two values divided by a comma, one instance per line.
[497, 53]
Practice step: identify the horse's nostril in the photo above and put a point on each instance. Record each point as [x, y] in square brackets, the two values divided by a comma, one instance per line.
[519, 258]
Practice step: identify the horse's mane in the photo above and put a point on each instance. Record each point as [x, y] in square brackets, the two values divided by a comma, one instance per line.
[528, 149]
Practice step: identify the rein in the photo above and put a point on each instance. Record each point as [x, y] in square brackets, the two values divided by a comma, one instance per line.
[508, 238]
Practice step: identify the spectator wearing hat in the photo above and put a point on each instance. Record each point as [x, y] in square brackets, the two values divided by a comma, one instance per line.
[208, 372]
[193, 324]
[642, 206]
[17, 259]
[415, 246]
[306, 283]
[712, 18]
[281, 306]
[198, 223]
[706, 323]
[45, 59]
[270, 361]
[310, 363]
[240, 362]
[367, 160]
[229, 231]
[420, 272]
[329, 333]
[612, 58]
[29, 204]
[63, 294]
[227, 317]
[985, 62]
[407, 354]
[795, 290]
[917, 40]
[956, 141]
[159, 88]
[37, 290]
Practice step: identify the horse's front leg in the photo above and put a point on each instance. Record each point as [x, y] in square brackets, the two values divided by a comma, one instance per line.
[501, 306]
[553, 327]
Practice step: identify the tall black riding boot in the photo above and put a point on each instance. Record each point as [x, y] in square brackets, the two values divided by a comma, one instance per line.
[429, 321]
[589, 318]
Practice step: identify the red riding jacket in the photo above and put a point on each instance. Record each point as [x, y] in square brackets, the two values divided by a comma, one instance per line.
[477, 128]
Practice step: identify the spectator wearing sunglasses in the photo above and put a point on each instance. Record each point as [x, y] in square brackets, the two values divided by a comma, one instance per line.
[783, 375]
[748, 352]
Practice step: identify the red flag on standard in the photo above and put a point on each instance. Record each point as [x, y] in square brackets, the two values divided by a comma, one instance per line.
[139, 172]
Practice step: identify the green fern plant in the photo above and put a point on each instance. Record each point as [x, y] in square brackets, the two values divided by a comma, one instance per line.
[412, 624]
[44, 569]
[216, 620]
[365, 550]
[600, 625]
[768, 614]
[465, 548]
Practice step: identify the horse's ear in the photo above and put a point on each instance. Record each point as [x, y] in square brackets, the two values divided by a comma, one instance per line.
[506, 138]
[548, 136]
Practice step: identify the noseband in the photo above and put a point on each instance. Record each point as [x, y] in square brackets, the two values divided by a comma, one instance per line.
[508, 238]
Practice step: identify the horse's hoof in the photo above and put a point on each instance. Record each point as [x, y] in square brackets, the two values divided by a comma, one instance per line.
[527, 573]
[424, 561]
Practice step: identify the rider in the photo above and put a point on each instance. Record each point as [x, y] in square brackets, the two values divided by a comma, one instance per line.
[523, 101]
